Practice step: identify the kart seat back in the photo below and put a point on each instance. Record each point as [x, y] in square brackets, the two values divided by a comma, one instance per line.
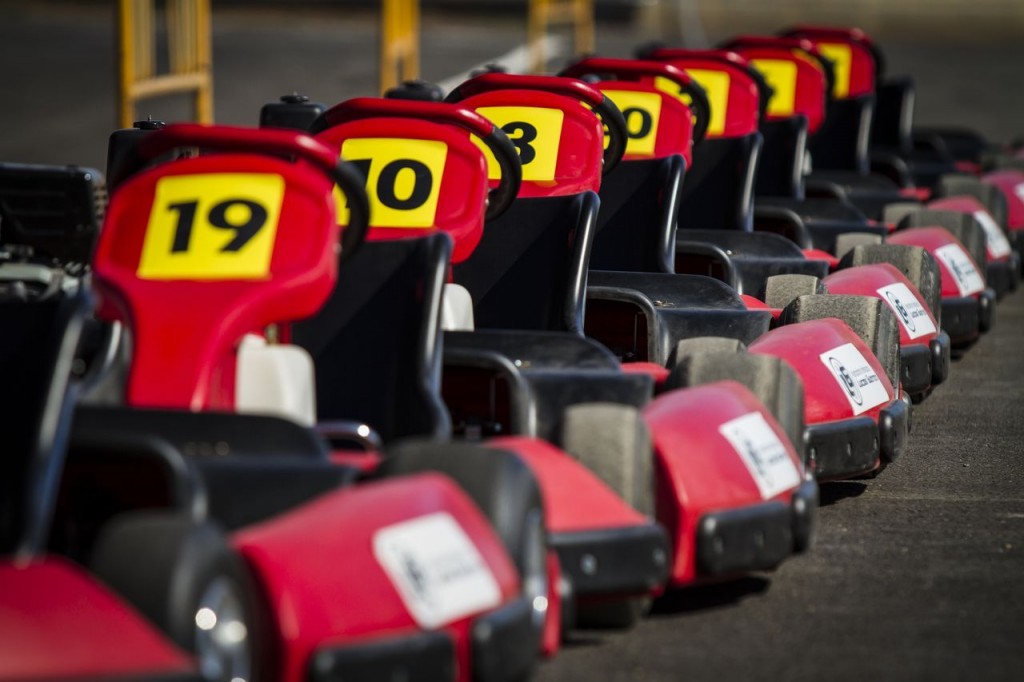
[718, 193]
[198, 252]
[639, 212]
[842, 141]
[446, 170]
[375, 342]
[780, 171]
[37, 349]
[530, 269]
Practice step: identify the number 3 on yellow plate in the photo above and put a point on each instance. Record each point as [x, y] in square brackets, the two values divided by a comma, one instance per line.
[214, 226]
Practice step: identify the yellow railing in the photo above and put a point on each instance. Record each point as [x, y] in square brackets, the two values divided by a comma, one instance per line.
[578, 14]
[188, 44]
[399, 42]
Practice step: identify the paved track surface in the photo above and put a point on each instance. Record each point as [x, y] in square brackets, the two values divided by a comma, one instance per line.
[916, 575]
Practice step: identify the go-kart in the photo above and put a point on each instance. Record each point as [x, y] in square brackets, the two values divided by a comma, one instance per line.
[236, 534]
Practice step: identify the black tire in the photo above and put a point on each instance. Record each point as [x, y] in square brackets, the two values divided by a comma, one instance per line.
[781, 290]
[179, 573]
[612, 441]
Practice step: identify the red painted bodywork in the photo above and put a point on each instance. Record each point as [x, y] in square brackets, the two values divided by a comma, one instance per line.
[317, 572]
[171, 369]
[866, 280]
[931, 239]
[862, 62]
[1010, 181]
[56, 623]
[463, 195]
[744, 102]
[968, 205]
[697, 470]
[651, 369]
[801, 345]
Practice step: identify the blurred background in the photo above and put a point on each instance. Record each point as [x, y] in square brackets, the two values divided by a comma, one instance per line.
[59, 57]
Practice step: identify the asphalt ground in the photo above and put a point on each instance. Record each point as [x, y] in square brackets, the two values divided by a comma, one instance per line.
[915, 575]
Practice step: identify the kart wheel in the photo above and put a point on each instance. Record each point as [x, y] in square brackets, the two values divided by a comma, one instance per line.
[848, 241]
[781, 290]
[504, 488]
[613, 615]
[612, 440]
[186, 579]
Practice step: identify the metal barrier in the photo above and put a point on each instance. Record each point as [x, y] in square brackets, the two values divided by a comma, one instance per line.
[579, 14]
[399, 42]
[188, 45]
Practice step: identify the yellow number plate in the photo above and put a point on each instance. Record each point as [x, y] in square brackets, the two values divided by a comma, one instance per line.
[715, 84]
[535, 131]
[214, 226]
[841, 56]
[642, 111]
[781, 77]
[403, 179]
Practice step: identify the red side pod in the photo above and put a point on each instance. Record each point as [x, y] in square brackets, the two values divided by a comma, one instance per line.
[948, 252]
[575, 499]
[672, 121]
[58, 623]
[884, 281]
[732, 93]
[1011, 182]
[997, 247]
[698, 470]
[560, 142]
[457, 194]
[161, 262]
[319, 572]
[819, 352]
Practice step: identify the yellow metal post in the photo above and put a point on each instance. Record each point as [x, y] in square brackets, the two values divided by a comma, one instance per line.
[189, 55]
[577, 14]
[399, 42]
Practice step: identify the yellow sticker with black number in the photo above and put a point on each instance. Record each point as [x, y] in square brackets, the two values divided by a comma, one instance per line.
[781, 77]
[535, 131]
[403, 179]
[841, 56]
[214, 226]
[642, 111]
[716, 86]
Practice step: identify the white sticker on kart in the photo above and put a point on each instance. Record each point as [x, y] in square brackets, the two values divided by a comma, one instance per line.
[908, 310]
[860, 383]
[1019, 191]
[998, 244]
[763, 453]
[968, 279]
[437, 570]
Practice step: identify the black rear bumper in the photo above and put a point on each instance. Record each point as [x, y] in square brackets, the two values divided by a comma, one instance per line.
[614, 561]
[842, 449]
[504, 644]
[756, 538]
